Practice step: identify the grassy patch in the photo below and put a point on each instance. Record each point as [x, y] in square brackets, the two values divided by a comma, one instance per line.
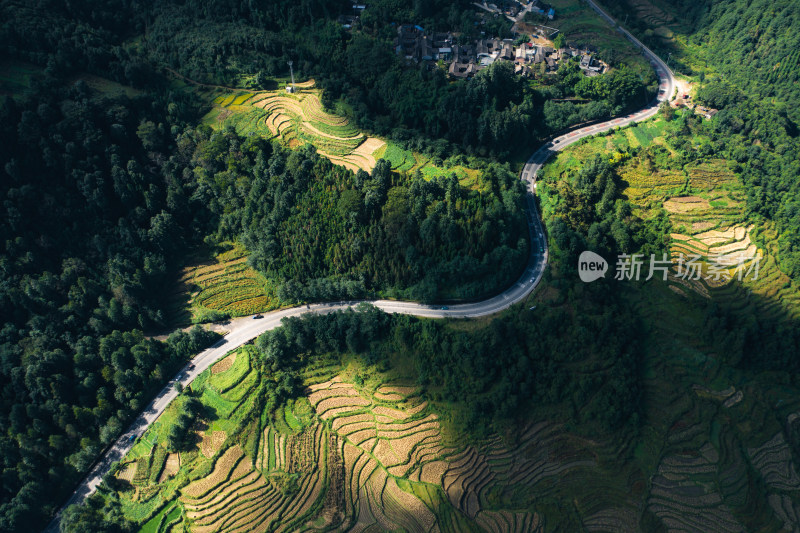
[226, 380]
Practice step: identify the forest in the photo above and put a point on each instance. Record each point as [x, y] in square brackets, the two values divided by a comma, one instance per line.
[78, 285]
[497, 113]
[752, 45]
[106, 194]
[308, 223]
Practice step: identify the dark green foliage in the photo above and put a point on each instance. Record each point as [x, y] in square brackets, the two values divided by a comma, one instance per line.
[755, 45]
[103, 197]
[590, 214]
[94, 218]
[96, 515]
[752, 44]
[180, 437]
[499, 372]
[244, 43]
[327, 234]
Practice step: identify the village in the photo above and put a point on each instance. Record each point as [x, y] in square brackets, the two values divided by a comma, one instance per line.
[531, 59]
[533, 52]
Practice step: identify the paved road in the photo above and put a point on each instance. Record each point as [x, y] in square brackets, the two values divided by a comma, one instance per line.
[245, 330]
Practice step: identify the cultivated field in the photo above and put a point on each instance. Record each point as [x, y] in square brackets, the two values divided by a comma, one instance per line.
[714, 452]
[343, 457]
[226, 285]
[300, 118]
[360, 450]
[704, 202]
[297, 118]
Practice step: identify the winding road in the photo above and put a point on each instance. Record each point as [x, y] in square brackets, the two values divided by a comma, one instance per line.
[244, 330]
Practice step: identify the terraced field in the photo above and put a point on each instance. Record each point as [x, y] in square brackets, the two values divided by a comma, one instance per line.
[407, 161]
[710, 229]
[375, 454]
[226, 285]
[344, 457]
[707, 478]
[297, 118]
[705, 205]
[715, 453]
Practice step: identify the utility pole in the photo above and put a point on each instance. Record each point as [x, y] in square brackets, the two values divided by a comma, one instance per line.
[291, 71]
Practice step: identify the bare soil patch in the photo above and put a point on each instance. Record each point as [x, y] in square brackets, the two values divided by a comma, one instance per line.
[686, 204]
[171, 467]
[211, 442]
[223, 364]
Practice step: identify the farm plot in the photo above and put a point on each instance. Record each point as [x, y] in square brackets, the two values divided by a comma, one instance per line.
[296, 119]
[230, 371]
[683, 494]
[774, 462]
[704, 203]
[708, 225]
[168, 520]
[300, 118]
[390, 434]
[246, 499]
[344, 457]
[227, 285]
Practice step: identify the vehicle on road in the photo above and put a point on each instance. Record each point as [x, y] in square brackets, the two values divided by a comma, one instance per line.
[557, 141]
[445, 308]
[133, 437]
[258, 316]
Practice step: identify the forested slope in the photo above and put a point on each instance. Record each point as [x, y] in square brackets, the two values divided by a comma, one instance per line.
[89, 231]
[104, 194]
[752, 44]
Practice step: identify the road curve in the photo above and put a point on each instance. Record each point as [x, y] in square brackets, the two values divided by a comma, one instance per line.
[243, 331]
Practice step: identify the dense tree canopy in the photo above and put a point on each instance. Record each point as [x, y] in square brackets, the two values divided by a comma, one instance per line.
[308, 222]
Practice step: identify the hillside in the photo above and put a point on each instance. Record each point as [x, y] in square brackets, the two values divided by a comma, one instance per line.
[752, 45]
[156, 172]
[371, 426]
